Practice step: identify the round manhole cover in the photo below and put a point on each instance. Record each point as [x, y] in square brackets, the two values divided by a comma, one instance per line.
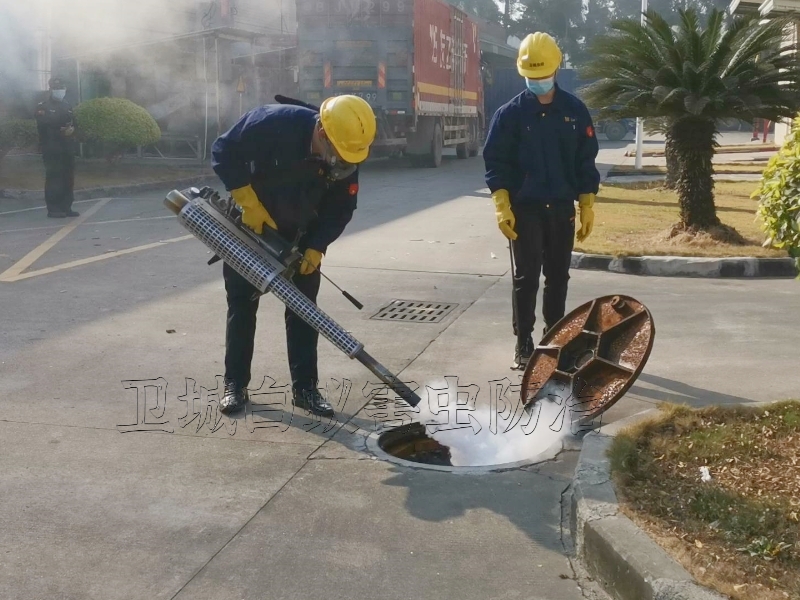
[596, 352]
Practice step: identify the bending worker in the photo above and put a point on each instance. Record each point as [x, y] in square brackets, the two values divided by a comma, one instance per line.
[540, 159]
[294, 169]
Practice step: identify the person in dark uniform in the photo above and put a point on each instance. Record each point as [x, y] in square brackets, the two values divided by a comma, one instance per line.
[56, 126]
[540, 156]
[292, 168]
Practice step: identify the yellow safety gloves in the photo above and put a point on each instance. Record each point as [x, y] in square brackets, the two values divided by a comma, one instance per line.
[505, 218]
[254, 215]
[311, 260]
[585, 204]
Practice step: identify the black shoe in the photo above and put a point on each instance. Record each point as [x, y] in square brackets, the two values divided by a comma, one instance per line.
[312, 401]
[56, 215]
[73, 213]
[522, 353]
[234, 398]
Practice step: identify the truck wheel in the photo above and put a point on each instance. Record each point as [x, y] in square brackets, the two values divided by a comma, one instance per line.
[424, 148]
[461, 150]
[474, 143]
[615, 131]
[437, 145]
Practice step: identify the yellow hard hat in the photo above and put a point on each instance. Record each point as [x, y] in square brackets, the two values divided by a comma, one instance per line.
[539, 56]
[350, 125]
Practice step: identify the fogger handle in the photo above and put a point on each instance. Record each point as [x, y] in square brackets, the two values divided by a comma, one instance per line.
[355, 302]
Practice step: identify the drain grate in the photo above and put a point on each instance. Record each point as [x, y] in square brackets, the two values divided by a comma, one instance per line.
[414, 311]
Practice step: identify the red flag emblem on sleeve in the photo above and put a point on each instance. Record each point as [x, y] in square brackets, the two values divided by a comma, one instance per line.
[353, 189]
[590, 131]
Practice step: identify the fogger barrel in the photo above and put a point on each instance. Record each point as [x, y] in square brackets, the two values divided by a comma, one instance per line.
[264, 273]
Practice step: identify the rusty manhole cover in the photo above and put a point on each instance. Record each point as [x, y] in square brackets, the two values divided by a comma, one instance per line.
[592, 356]
[414, 311]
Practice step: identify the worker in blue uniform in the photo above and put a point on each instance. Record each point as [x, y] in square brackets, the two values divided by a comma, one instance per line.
[56, 126]
[295, 169]
[540, 156]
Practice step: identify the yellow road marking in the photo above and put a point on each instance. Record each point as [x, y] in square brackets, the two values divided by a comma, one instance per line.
[85, 261]
[35, 254]
[131, 220]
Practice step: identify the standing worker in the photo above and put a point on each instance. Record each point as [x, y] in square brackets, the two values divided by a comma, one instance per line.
[292, 168]
[540, 159]
[56, 127]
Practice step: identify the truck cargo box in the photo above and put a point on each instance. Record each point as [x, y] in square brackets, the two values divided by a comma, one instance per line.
[393, 53]
[412, 60]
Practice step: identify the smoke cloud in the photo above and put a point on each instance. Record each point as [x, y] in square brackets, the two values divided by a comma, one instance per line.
[484, 435]
[33, 30]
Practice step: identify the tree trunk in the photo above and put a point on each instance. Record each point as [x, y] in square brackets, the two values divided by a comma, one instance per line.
[672, 164]
[693, 141]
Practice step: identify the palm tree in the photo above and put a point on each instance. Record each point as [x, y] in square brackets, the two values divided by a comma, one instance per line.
[661, 125]
[693, 76]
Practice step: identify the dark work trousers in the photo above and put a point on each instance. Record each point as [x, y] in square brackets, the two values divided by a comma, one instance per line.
[59, 180]
[545, 238]
[301, 339]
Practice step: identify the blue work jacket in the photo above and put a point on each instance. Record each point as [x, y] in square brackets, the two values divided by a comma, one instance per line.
[543, 155]
[270, 149]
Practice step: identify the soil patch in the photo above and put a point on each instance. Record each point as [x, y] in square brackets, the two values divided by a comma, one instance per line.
[719, 489]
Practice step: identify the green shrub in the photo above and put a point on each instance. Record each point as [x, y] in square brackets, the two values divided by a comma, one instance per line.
[115, 124]
[779, 196]
[17, 133]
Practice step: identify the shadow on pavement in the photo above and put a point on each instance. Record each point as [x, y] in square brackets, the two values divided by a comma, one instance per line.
[677, 392]
[518, 496]
[527, 497]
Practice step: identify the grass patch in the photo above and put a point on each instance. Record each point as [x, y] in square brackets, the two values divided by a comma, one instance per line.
[738, 532]
[636, 219]
[27, 173]
[732, 149]
[755, 167]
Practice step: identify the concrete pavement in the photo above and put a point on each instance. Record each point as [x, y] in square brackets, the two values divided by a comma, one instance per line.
[109, 492]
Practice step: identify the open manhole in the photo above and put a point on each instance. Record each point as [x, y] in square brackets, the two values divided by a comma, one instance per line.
[414, 311]
[477, 448]
[411, 443]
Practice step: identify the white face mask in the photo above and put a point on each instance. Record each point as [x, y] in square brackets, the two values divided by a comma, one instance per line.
[59, 94]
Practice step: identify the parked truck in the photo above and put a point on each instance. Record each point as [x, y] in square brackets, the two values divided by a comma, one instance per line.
[417, 62]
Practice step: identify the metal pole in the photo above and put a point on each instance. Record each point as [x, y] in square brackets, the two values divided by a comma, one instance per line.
[80, 97]
[639, 120]
[205, 77]
[216, 57]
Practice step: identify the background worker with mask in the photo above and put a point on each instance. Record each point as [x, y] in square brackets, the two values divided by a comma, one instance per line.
[294, 169]
[540, 156]
[56, 134]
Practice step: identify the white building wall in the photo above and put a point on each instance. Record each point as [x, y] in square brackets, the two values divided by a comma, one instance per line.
[783, 128]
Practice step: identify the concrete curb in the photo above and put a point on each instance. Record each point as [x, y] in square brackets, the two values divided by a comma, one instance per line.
[680, 266]
[622, 558]
[111, 191]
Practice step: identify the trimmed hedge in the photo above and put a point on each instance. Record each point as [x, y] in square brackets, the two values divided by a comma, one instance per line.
[779, 196]
[116, 124]
[17, 133]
